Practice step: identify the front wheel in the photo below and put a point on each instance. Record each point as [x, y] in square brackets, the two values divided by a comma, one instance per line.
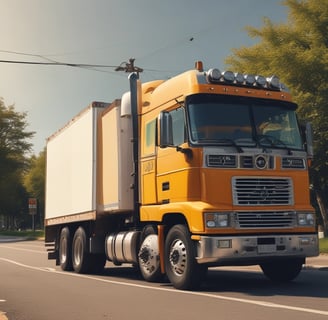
[283, 270]
[181, 267]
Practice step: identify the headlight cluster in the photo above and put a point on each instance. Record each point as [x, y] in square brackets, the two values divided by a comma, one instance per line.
[306, 219]
[270, 83]
[217, 220]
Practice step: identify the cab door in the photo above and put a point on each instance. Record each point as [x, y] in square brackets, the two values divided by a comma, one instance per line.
[175, 171]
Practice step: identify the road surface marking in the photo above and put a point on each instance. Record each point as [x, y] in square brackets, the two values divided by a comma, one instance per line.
[202, 294]
[22, 249]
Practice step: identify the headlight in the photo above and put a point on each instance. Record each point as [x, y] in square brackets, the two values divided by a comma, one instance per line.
[306, 219]
[217, 220]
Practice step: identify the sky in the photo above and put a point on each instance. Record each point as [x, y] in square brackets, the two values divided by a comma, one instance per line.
[164, 37]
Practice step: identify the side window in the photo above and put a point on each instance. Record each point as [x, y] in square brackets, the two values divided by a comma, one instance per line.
[150, 137]
[178, 126]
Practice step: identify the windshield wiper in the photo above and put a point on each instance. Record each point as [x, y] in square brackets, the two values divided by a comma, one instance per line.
[273, 142]
[223, 142]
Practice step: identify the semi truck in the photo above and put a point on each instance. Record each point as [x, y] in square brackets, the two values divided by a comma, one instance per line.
[204, 169]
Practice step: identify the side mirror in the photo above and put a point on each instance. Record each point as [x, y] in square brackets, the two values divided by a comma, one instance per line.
[165, 130]
[307, 136]
[309, 139]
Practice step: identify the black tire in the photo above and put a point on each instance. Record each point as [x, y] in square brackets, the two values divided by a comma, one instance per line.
[180, 265]
[148, 256]
[80, 255]
[65, 250]
[282, 271]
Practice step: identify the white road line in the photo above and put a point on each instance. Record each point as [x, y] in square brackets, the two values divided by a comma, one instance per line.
[202, 294]
[1, 300]
[22, 249]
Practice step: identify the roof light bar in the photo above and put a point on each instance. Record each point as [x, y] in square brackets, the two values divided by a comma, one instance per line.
[214, 75]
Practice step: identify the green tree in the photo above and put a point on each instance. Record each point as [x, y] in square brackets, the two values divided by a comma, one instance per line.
[297, 51]
[14, 149]
[34, 181]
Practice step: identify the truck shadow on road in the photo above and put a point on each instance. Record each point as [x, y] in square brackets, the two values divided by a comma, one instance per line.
[310, 283]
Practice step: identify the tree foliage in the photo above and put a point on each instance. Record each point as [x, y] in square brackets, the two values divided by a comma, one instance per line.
[297, 51]
[34, 181]
[14, 149]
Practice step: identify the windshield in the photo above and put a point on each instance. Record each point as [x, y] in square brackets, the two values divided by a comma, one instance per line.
[242, 122]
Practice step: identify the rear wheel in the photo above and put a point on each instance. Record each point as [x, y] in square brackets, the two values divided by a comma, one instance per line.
[284, 270]
[180, 264]
[65, 249]
[80, 255]
[148, 257]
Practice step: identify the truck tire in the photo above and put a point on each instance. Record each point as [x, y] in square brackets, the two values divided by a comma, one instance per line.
[180, 265]
[65, 249]
[80, 255]
[284, 270]
[148, 256]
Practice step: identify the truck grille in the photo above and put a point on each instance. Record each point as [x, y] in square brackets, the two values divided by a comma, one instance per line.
[265, 219]
[258, 191]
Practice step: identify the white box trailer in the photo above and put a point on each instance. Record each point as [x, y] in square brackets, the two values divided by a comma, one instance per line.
[89, 166]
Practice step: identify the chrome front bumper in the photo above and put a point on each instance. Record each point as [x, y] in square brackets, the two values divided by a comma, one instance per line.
[241, 250]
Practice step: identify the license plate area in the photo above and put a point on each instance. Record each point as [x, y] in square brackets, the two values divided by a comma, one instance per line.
[266, 248]
[266, 245]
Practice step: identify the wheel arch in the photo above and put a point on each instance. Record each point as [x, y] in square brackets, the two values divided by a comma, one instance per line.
[172, 219]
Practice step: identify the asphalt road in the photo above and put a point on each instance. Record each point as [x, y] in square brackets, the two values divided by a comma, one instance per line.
[33, 288]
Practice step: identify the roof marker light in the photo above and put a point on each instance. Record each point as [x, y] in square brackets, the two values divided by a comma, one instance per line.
[260, 80]
[228, 76]
[239, 78]
[274, 82]
[213, 75]
[249, 79]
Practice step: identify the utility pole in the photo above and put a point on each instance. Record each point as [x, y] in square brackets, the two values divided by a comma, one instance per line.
[129, 67]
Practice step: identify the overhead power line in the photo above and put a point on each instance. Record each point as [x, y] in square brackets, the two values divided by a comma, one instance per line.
[124, 66]
[67, 64]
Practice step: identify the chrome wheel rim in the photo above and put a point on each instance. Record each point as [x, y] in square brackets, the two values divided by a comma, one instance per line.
[178, 257]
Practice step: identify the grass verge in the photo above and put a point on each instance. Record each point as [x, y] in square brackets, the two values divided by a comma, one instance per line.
[323, 245]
